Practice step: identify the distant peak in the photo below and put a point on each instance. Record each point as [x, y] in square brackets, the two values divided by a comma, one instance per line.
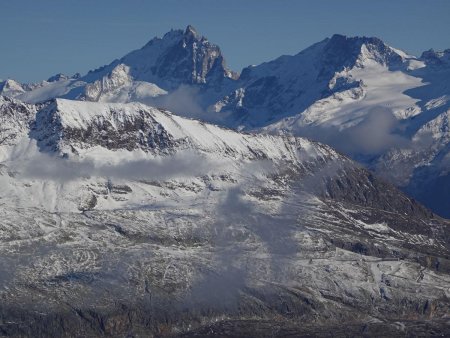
[176, 34]
[338, 37]
[357, 39]
[190, 30]
[10, 83]
[377, 48]
[436, 57]
[57, 77]
[172, 32]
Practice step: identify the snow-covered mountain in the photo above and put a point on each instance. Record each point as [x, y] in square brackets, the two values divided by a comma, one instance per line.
[290, 84]
[179, 58]
[11, 88]
[123, 219]
[381, 106]
[378, 104]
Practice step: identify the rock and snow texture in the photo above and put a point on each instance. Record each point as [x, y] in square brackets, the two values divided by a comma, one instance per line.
[363, 97]
[99, 136]
[122, 219]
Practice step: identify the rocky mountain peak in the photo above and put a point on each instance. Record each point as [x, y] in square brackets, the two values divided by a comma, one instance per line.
[10, 84]
[15, 117]
[65, 125]
[57, 77]
[179, 57]
[190, 30]
[436, 57]
[11, 88]
[350, 51]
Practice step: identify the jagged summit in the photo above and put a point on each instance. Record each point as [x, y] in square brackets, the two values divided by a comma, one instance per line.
[436, 57]
[179, 57]
[357, 40]
[177, 32]
[11, 88]
[173, 34]
[350, 51]
[58, 77]
[190, 30]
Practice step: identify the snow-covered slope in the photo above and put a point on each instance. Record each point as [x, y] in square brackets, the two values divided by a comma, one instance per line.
[56, 86]
[405, 85]
[106, 134]
[66, 125]
[11, 88]
[290, 84]
[125, 212]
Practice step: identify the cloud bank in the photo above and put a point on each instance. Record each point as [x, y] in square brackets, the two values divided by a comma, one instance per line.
[47, 167]
[374, 135]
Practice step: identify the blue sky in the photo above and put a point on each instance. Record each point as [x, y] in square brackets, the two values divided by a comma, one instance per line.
[41, 38]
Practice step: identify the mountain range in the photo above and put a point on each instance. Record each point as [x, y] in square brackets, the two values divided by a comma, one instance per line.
[384, 108]
[166, 195]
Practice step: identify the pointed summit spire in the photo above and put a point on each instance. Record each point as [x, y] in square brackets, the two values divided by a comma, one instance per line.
[190, 30]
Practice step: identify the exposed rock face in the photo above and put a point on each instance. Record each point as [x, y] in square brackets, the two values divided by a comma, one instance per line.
[113, 127]
[179, 58]
[59, 77]
[258, 232]
[191, 59]
[15, 117]
[432, 57]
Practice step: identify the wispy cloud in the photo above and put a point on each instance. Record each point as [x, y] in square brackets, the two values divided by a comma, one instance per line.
[48, 167]
[374, 135]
